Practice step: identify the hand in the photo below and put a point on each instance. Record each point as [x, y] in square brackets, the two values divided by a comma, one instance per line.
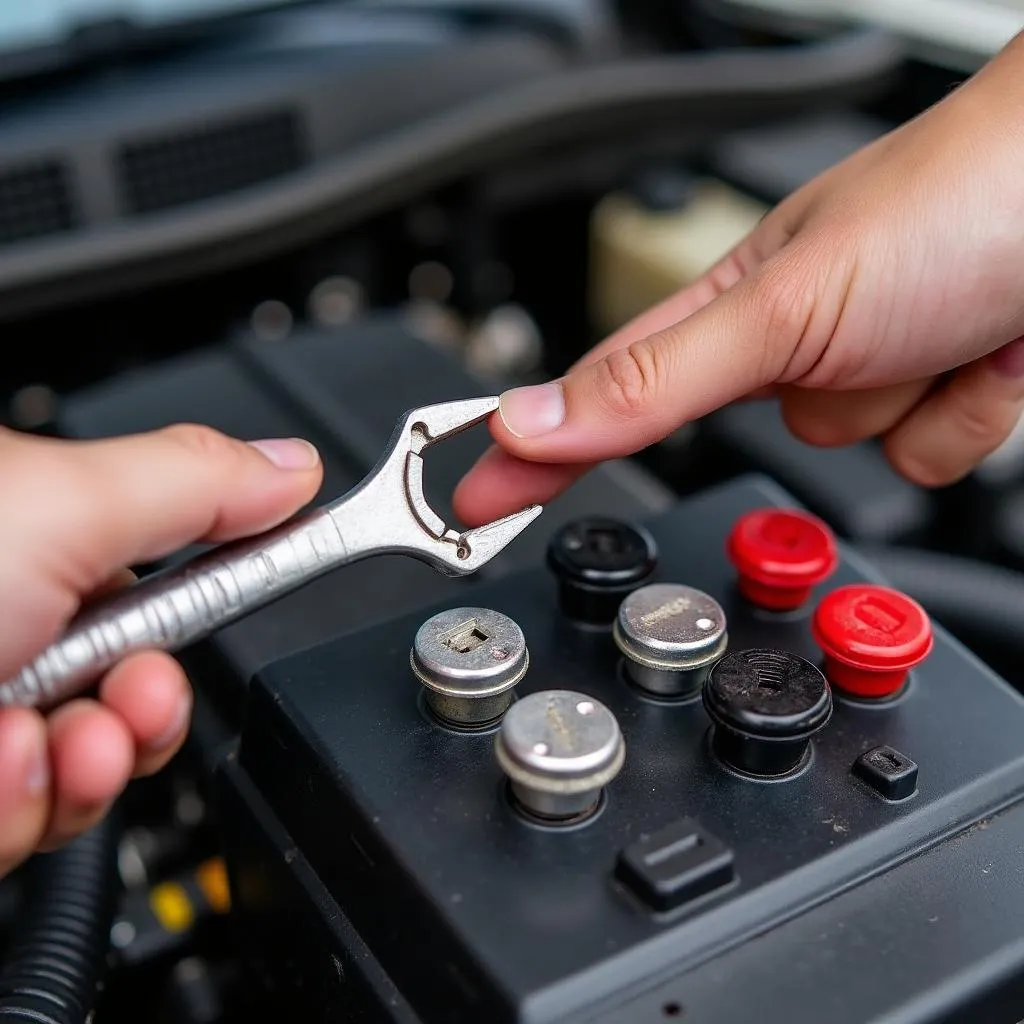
[885, 298]
[72, 516]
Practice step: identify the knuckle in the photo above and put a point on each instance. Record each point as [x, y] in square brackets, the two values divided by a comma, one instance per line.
[970, 430]
[631, 379]
[983, 425]
[197, 439]
[784, 299]
[799, 297]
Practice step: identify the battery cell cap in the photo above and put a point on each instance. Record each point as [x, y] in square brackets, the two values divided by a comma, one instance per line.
[670, 635]
[597, 562]
[469, 661]
[780, 555]
[766, 705]
[559, 749]
[871, 636]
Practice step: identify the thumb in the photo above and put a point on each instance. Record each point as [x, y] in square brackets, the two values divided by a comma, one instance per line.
[769, 327]
[78, 511]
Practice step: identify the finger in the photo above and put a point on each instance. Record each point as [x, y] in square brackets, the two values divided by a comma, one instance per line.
[830, 419]
[962, 422]
[500, 483]
[773, 232]
[497, 485]
[151, 695]
[92, 756]
[723, 275]
[24, 785]
[138, 498]
[773, 326]
[116, 581]
[131, 500]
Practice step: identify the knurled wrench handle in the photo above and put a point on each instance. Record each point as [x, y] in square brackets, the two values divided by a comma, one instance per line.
[386, 513]
[179, 606]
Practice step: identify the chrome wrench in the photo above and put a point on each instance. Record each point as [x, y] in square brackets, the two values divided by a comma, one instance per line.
[386, 513]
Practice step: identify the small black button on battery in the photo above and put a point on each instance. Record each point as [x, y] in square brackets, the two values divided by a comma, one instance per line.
[765, 705]
[598, 561]
[889, 773]
[674, 866]
[669, 636]
[469, 661]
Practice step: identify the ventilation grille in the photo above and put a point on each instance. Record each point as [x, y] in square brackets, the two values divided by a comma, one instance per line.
[35, 200]
[187, 167]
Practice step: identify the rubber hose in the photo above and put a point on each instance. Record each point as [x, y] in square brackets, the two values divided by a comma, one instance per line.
[56, 960]
[570, 108]
[972, 599]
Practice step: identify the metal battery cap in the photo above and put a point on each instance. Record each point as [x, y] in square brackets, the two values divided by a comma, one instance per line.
[559, 749]
[469, 661]
[670, 635]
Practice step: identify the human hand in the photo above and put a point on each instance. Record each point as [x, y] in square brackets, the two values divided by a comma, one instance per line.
[851, 302]
[73, 514]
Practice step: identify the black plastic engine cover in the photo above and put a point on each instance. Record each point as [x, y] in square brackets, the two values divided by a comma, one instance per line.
[475, 914]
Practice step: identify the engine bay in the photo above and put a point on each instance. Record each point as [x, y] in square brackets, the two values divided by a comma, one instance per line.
[305, 219]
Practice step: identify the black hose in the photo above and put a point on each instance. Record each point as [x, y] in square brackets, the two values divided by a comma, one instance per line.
[56, 961]
[979, 602]
[579, 106]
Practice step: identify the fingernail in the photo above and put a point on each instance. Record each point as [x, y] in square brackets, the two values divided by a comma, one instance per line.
[173, 731]
[1009, 360]
[288, 452]
[533, 411]
[37, 778]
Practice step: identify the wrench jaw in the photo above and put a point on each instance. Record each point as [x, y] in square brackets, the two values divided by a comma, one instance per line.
[466, 553]
[449, 552]
[423, 427]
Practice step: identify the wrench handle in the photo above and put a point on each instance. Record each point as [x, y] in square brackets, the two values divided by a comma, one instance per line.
[179, 606]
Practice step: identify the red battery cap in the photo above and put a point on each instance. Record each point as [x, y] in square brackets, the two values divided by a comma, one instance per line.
[872, 637]
[780, 554]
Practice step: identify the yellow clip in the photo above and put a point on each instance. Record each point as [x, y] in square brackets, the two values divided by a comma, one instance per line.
[172, 907]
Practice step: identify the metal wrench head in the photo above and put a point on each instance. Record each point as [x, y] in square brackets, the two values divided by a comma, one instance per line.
[427, 537]
[429, 424]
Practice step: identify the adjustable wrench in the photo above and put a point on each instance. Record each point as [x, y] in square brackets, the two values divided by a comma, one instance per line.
[386, 513]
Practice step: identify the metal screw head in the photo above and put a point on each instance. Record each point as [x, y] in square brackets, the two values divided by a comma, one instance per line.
[559, 735]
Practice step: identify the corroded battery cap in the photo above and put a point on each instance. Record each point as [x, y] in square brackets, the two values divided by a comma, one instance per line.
[469, 661]
[766, 705]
